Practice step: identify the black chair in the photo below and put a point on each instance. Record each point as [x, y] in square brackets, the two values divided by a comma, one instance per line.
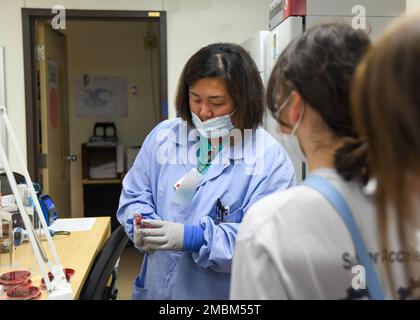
[5, 185]
[103, 268]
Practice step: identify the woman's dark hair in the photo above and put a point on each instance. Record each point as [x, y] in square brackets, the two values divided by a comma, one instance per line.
[233, 64]
[320, 65]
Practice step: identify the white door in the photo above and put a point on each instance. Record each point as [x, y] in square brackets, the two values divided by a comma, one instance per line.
[279, 38]
[256, 46]
[54, 144]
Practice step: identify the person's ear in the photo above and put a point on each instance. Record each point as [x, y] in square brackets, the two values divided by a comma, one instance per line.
[295, 107]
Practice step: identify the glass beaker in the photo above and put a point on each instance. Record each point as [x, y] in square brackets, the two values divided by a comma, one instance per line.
[6, 250]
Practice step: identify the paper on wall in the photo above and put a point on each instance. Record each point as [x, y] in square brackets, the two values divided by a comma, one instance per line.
[101, 96]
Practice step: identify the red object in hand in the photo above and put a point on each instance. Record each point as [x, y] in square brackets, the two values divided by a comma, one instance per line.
[138, 218]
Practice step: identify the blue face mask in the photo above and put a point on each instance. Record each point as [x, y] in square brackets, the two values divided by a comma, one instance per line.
[213, 128]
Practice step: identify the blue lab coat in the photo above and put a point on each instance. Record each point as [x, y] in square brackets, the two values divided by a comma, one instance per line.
[167, 154]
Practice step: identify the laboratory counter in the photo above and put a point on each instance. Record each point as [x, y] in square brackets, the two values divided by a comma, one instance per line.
[76, 251]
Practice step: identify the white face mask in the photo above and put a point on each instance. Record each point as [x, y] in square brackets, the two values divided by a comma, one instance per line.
[213, 128]
[291, 141]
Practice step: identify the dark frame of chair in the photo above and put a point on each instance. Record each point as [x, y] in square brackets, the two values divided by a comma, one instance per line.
[95, 287]
[6, 189]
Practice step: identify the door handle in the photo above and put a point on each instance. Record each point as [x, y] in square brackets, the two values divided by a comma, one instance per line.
[72, 157]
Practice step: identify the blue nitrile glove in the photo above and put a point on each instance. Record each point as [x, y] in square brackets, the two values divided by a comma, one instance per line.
[166, 235]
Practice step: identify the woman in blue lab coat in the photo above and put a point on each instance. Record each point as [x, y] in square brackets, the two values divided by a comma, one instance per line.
[196, 176]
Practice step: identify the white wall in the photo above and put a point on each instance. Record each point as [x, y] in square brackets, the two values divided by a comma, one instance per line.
[111, 49]
[11, 39]
[191, 24]
[413, 5]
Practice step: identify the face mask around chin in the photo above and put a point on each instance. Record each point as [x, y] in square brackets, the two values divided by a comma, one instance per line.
[290, 140]
[213, 128]
[292, 145]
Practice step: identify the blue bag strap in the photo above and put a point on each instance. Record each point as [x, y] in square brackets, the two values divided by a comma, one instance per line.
[339, 203]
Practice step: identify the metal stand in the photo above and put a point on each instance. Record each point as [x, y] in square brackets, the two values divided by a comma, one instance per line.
[58, 288]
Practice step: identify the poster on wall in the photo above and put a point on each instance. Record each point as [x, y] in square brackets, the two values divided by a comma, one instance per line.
[101, 96]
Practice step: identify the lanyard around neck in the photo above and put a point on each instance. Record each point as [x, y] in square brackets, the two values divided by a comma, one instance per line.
[339, 203]
[204, 161]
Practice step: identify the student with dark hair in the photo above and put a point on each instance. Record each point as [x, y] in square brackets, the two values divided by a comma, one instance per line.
[196, 176]
[386, 108]
[300, 248]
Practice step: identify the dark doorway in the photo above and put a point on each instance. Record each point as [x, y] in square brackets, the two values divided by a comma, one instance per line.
[29, 18]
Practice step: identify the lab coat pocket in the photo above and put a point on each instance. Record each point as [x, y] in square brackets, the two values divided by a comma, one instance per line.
[138, 292]
[234, 217]
[174, 258]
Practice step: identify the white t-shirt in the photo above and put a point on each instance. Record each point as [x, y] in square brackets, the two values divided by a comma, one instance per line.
[294, 245]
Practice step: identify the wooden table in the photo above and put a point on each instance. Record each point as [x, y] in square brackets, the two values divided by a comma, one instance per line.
[76, 251]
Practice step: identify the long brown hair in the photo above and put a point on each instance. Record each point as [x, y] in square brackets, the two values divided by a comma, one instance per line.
[320, 65]
[386, 110]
